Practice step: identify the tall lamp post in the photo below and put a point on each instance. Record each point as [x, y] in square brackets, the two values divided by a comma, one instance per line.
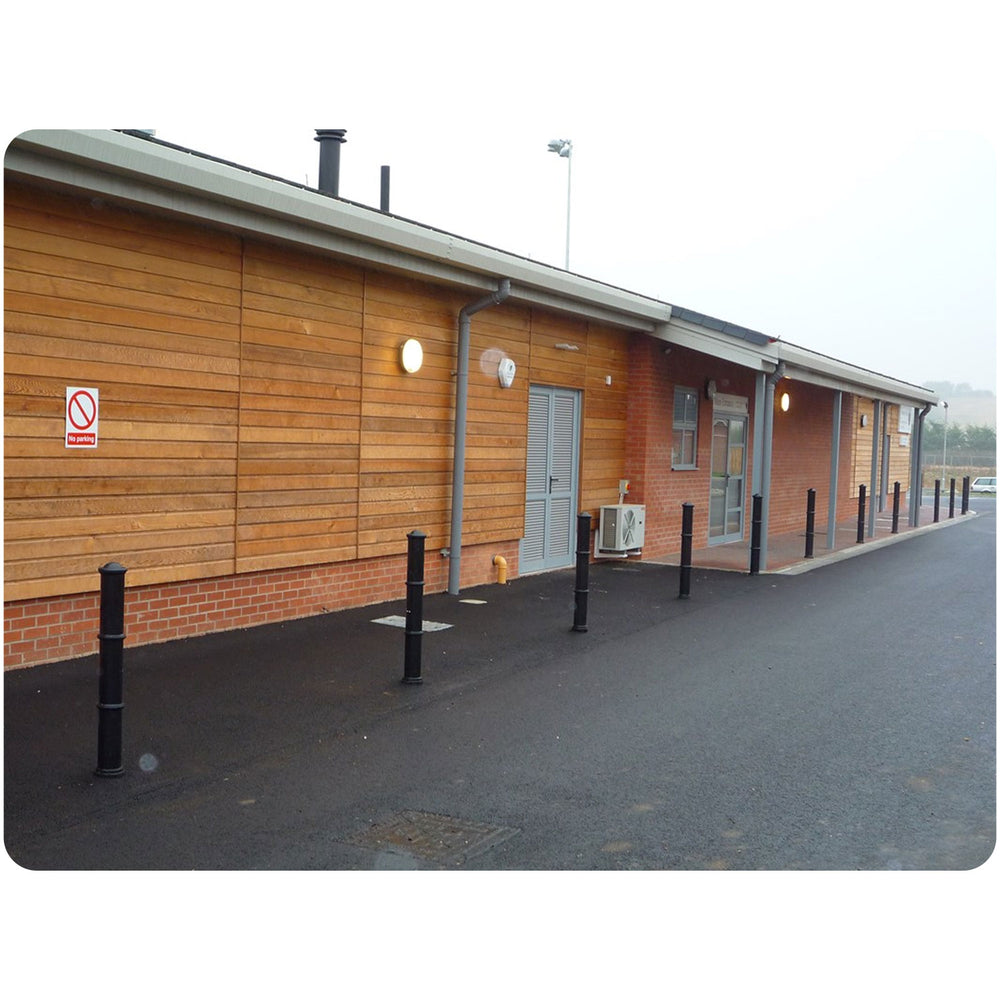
[944, 451]
[564, 147]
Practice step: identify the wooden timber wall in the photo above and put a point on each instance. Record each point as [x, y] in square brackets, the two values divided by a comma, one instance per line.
[253, 416]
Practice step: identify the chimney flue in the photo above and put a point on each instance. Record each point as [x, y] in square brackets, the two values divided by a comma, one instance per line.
[385, 189]
[330, 140]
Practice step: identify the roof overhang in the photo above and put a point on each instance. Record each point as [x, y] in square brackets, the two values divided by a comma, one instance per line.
[147, 174]
[761, 353]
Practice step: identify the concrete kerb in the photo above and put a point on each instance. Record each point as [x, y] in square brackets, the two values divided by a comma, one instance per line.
[859, 549]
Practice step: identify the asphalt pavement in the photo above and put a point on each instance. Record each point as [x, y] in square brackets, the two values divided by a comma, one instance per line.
[839, 719]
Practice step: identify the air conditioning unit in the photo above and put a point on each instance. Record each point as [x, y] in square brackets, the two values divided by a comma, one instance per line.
[621, 532]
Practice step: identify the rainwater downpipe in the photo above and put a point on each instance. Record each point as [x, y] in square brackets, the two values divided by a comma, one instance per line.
[831, 520]
[873, 485]
[765, 479]
[461, 408]
[917, 465]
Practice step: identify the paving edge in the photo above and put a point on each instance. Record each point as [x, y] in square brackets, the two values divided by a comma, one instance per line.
[859, 549]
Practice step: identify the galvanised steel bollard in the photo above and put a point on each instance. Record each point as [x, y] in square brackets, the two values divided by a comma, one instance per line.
[965, 495]
[414, 630]
[687, 533]
[582, 571]
[895, 508]
[937, 500]
[951, 500]
[810, 522]
[862, 491]
[111, 679]
[756, 518]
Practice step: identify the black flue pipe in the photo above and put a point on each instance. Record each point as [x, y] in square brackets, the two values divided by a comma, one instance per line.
[330, 140]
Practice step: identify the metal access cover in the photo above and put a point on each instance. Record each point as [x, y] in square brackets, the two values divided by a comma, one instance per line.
[443, 840]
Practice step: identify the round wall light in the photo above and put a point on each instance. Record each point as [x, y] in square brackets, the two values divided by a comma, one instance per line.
[784, 402]
[411, 356]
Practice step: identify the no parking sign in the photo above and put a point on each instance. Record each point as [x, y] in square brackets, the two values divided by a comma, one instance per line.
[81, 417]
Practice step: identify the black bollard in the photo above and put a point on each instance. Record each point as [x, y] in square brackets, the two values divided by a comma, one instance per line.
[965, 495]
[582, 571]
[810, 522]
[937, 500]
[951, 500]
[895, 508]
[862, 491]
[111, 679]
[687, 533]
[414, 630]
[756, 518]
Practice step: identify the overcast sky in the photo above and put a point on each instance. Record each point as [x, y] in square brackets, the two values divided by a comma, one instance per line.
[826, 178]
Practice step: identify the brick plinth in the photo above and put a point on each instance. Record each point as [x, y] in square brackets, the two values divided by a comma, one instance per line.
[43, 630]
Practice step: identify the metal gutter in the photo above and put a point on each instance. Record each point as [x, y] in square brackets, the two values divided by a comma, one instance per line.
[155, 175]
[168, 179]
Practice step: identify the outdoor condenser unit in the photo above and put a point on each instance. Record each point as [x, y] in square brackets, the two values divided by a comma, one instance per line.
[622, 531]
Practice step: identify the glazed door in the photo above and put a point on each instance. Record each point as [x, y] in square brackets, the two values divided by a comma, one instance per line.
[725, 508]
[551, 479]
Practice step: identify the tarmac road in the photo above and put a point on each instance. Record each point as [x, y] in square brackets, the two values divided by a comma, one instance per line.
[840, 719]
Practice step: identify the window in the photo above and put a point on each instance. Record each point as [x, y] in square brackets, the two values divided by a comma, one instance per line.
[685, 444]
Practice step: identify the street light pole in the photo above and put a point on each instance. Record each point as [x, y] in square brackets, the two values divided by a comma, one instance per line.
[564, 147]
[944, 451]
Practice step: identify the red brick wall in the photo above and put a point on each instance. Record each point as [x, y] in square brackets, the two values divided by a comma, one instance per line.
[664, 491]
[801, 456]
[59, 628]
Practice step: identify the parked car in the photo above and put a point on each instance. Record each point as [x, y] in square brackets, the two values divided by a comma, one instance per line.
[984, 484]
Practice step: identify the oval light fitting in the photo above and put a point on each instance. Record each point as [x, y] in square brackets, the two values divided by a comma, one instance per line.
[411, 356]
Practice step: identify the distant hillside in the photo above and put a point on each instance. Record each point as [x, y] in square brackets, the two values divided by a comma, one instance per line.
[966, 406]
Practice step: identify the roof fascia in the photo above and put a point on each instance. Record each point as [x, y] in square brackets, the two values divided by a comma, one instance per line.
[717, 344]
[807, 366]
[125, 168]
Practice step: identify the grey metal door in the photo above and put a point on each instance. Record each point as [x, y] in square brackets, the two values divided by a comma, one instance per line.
[725, 508]
[551, 479]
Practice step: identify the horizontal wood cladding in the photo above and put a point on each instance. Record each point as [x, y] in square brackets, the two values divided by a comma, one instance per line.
[253, 411]
[299, 424]
[149, 312]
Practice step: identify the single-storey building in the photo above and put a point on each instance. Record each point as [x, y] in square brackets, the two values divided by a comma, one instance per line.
[203, 381]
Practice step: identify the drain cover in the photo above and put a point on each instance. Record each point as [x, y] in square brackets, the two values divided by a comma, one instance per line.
[443, 840]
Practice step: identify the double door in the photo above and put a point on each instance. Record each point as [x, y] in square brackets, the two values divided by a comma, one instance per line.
[551, 479]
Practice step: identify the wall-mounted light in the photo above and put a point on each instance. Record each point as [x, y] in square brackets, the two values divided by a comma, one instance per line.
[710, 388]
[785, 401]
[411, 356]
[864, 419]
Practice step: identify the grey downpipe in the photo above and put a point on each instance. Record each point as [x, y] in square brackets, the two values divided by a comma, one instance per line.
[916, 467]
[765, 478]
[461, 408]
[831, 520]
[876, 452]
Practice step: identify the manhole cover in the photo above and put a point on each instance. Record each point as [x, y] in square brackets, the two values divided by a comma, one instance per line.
[442, 840]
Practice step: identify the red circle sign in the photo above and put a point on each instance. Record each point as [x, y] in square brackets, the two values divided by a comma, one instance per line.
[81, 410]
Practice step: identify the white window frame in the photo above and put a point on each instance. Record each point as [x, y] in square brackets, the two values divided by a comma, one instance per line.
[684, 427]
